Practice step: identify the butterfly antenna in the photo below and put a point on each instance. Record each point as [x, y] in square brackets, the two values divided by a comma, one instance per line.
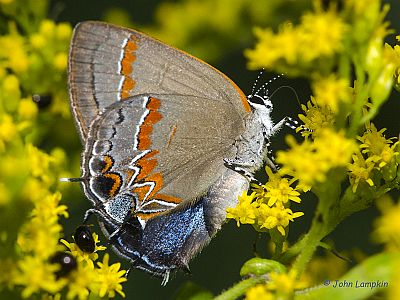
[290, 88]
[264, 85]
[256, 82]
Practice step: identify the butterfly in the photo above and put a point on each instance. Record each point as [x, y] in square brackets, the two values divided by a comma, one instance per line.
[169, 143]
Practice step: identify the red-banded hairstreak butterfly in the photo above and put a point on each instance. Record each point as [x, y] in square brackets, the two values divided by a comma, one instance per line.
[169, 143]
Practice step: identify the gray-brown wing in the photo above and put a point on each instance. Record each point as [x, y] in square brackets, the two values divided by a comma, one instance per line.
[164, 149]
[109, 63]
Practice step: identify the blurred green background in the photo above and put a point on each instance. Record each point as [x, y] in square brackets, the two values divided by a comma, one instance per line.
[216, 34]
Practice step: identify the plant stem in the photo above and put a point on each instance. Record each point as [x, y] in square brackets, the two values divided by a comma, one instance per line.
[239, 288]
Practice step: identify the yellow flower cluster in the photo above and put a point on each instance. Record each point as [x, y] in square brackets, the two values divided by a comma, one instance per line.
[319, 34]
[387, 226]
[397, 71]
[29, 59]
[30, 191]
[315, 118]
[267, 207]
[28, 183]
[103, 280]
[376, 158]
[310, 161]
[330, 91]
[280, 286]
[229, 25]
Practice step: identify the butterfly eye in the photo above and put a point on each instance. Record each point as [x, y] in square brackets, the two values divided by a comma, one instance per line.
[256, 99]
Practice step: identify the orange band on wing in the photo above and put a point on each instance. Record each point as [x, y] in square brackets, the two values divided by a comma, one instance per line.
[148, 182]
[116, 183]
[144, 141]
[108, 163]
[127, 67]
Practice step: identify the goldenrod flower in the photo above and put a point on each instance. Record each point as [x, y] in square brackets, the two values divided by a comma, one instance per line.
[13, 52]
[8, 130]
[276, 216]
[272, 48]
[259, 292]
[82, 280]
[387, 226]
[243, 213]
[61, 61]
[265, 207]
[277, 189]
[360, 171]
[27, 109]
[37, 274]
[379, 149]
[109, 278]
[315, 118]
[39, 163]
[331, 91]
[284, 284]
[82, 256]
[321, 34]
[310, 161]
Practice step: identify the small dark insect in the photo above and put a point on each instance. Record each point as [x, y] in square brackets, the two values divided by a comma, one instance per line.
[66, 261]
[42, 101]
[84, 239]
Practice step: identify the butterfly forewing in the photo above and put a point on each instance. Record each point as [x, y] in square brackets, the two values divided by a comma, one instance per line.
[108, 63]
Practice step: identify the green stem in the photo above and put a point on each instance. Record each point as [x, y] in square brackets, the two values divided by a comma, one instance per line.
[361, 96]
[328, 194]
[239, 288]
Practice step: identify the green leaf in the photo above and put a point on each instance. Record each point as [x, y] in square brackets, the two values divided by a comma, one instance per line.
[364, 280]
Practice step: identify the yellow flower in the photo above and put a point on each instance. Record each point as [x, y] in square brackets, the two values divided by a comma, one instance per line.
[60, 61]
[284, 284]
[301, 162]
[109, 278]
[37, 41]
[321, 34]
[13, 51]
[81, 282]
[36, 274]
[376, 146]
[41, 234]
[310, 161]
[5, 195]
[259, 292]
[315, 118]
[276, 216]
[359, 171]
[82, 256]
[243, 213]
[334, 149]
[63, 31]
[271, 48]
[39, 163]
[47, 28]
[331, 91]
[27, 109]
[277, 189]
[11, 92]
[387, 226]
[8, 130]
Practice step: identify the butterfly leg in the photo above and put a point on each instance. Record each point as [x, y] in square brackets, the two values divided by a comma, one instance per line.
[241, 169]
[291, 123]
[99, 213]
